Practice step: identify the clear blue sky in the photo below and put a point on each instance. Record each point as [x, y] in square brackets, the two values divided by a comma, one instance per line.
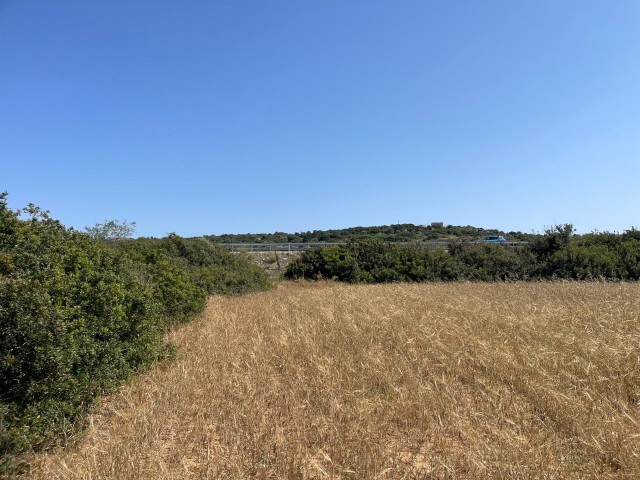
[235, 116]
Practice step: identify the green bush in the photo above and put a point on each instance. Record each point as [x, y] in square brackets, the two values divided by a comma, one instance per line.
[334, 262]
[557, 254]
[374, 261]
[74, 321]
[213, 269]
[79, 316]
[488, 262]
[604, 255]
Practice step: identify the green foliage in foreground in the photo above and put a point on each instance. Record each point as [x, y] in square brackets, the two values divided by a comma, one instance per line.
[209, 267]
[78, 317]
[557, 254]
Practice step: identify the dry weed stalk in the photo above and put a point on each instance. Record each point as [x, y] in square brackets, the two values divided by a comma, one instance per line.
[463, 380]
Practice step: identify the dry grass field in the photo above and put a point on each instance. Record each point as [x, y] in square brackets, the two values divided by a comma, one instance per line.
[462, 380]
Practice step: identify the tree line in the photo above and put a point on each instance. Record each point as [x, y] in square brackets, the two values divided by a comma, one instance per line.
[406, 232]
[558, 254]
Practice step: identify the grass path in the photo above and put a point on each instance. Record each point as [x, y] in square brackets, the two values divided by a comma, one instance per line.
[462, 380]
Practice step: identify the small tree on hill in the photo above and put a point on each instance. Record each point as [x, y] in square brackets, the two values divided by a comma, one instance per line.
[111, 230]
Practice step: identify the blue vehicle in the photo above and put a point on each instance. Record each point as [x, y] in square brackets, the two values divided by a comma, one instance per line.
[493, 239]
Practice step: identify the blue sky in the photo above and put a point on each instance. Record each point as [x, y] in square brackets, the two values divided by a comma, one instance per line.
[234, 116]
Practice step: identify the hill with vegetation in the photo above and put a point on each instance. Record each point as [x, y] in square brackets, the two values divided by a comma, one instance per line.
[405, 232]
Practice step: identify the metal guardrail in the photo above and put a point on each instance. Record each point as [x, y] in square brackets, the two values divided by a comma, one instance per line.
[275, 247]
[301, 247]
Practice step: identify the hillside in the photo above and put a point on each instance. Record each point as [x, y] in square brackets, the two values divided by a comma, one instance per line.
[405, 232]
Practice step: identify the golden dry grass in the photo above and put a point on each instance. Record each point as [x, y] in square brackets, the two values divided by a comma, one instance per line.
[463, 380]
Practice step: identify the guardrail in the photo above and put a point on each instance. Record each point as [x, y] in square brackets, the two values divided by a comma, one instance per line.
[275, 247]
[301, 247]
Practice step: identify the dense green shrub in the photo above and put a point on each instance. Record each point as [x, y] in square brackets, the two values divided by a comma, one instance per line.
[80, 316]
[213, 269]
[336, 262]
[559, 253]
[380, 261]
[602, 255]
[75, 320]
[374, 261]
[488, 262]
[177, 295]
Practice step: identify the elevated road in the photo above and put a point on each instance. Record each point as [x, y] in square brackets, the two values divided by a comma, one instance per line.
[301, 247]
